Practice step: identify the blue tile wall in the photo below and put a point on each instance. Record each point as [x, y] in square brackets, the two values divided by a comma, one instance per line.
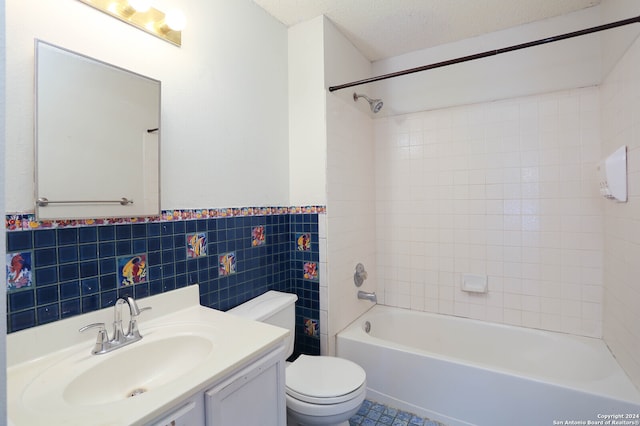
[75, 269]
[308, 292]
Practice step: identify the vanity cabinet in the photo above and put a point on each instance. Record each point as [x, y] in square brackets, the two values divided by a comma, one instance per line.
[251, 395]
[189, 413]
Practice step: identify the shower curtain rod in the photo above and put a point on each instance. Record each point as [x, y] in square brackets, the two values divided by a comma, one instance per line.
[490, 53]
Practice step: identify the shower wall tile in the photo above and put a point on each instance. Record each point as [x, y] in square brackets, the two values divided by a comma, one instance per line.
[505, 189]
[620, 97]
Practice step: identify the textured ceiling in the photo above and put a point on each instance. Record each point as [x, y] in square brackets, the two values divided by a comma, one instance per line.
[385, 28]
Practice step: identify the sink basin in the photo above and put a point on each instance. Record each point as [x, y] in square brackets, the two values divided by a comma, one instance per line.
[131, 371]
[141, 369]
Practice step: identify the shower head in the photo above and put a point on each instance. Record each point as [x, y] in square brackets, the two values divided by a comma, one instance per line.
[375, 104]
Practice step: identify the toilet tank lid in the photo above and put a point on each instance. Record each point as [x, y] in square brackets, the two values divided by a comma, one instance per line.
[265, 305]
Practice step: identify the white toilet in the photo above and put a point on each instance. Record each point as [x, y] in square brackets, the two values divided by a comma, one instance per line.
[321, 390]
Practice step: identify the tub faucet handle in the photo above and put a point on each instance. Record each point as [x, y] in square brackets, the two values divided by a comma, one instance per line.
[360, 275]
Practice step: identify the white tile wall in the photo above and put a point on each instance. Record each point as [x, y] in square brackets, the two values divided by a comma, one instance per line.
[506, 189]
[620, 98]
[350, 218]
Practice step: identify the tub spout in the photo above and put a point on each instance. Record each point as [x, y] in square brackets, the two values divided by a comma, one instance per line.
[367, 296]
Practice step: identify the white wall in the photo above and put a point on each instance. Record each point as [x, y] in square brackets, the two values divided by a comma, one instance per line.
[620, 98]
[552, 67]
[224, 106]
[350, 185]
[616, 42]
[505, 189]
[331, 160]
[307, 111]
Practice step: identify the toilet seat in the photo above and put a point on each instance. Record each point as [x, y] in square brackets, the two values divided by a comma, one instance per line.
[324, 380]
[325, 411]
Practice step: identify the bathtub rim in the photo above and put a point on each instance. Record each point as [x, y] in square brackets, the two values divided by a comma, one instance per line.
[614, 383]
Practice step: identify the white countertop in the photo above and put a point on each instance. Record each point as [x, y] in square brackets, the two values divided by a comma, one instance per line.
[32, 352]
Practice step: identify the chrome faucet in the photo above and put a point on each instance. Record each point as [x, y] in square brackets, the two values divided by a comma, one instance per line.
[120, 338]
[368, 296]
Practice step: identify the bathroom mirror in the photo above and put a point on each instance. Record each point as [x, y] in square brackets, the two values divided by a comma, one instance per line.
[97, 132]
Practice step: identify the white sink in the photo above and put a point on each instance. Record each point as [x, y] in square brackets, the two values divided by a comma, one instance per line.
[164, 355]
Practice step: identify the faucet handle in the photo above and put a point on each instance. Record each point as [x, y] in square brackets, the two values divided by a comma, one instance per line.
[100, 325]
[103, 338]
[133, 331]
[146, 308]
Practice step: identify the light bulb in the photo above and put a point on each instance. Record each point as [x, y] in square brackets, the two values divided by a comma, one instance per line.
[140, 5]
[175, 20]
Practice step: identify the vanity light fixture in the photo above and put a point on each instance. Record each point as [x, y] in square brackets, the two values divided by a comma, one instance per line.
[139, 13]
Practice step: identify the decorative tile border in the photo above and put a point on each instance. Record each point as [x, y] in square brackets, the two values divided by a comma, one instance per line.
[27, 221]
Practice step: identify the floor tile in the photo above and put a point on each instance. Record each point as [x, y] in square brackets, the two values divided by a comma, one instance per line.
[372, 413]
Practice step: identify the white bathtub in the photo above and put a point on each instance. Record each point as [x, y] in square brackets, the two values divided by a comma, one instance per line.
[466, 372]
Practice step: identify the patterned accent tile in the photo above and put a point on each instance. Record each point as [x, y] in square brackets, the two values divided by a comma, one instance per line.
[258, 236]
[303, 242]
[19, 270]
[227, 264]
[310, 271]
[196, 245]
[311, 328]
[132, 270]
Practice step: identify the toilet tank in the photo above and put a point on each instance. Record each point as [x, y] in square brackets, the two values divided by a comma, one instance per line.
[273, 307]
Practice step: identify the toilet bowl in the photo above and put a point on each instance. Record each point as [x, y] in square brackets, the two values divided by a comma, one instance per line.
[323, 390]
[320, 390]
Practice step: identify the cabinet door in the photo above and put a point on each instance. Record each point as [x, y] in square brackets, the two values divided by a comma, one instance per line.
[189, 413]
[254, 396]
